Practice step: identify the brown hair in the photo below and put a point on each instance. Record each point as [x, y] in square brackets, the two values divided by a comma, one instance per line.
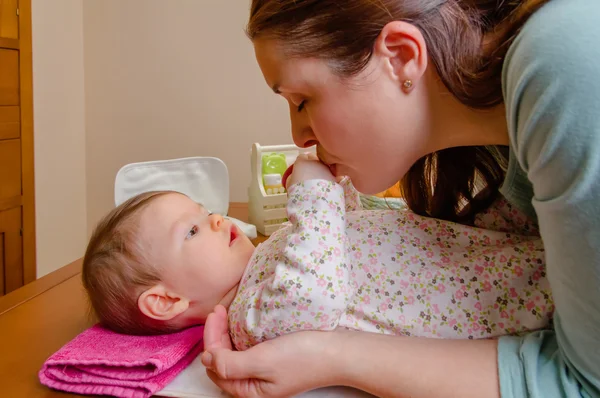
[343, 33]
[116, 269]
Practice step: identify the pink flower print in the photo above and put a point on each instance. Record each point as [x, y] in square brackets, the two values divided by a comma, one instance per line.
[414, 260]
[503, 258]
[501, 325]
[357, 255]
[428, 275]
[337, 252]
[487, 286]
[478, 269]
[339, 273]
[436, 309]
[452, 322]
[367, 300]
[478, 305]
[429, 254]
[321, 282]
[373, 260]
[308, 326]
[500, 275]
[383, 271]
[383, 307]
[403, 284]
[504, 314]
[410, 300]
[442, 288]
[302, 307]
[366, 268]
[513, 293]
[324, 318]
[402, 319]
[446, 260]
[530, 305]
[518, 271]
[426, 329]
[537, 275]
[459, 294]
[321, 308]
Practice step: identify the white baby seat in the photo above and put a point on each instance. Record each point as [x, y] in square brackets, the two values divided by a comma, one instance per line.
[204, 179]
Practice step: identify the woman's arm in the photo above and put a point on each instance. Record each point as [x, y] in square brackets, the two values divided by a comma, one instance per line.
[384, 365]
[552, 94]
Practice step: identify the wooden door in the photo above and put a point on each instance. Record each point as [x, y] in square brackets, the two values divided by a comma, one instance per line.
[17, 214]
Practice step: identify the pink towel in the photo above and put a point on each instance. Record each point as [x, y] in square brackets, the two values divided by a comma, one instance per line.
[101, 362]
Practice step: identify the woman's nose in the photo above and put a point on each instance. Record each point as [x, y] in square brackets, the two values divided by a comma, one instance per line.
[302, 133]
[216, 221]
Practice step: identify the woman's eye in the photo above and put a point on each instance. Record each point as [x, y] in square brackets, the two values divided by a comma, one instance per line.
[192, 232]
[301, 106]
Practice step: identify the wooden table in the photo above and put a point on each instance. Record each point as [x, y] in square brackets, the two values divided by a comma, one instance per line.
[39, 318]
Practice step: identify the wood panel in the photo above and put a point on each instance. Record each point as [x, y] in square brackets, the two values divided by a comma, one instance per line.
[9, 78]
[10, 168]
[10, 229]
[28, 181]
[2, 261]
[10, 125]
[9, 20]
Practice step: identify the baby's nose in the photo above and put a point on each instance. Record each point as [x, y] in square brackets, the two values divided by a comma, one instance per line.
[216, 221]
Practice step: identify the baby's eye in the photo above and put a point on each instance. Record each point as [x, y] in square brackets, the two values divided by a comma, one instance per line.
[193, 231]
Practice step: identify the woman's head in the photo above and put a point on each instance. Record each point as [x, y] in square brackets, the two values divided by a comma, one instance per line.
[362, 78]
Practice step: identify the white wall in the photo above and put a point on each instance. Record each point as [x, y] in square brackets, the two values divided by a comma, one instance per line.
[121, 81]
[59, 132]
[168, 79]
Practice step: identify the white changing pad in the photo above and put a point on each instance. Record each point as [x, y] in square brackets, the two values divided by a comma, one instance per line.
[194, 383]
[204, 179]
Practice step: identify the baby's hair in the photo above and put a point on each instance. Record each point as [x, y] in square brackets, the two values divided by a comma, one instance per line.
[116, 269]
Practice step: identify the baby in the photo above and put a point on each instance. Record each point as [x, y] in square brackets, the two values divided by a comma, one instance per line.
[160, 263]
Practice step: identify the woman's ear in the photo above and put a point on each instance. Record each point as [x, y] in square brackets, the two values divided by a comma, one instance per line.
[160, 304]
[404, 52]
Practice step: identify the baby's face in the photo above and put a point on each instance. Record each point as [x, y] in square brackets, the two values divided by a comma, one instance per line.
[201, 256]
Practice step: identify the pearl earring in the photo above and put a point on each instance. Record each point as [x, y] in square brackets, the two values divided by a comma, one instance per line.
[407, 84]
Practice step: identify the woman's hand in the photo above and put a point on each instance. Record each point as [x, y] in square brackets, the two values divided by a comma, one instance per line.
[282, 367]
[383, 365]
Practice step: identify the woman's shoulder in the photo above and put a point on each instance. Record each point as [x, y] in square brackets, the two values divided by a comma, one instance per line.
[559, 40]
[550, 78]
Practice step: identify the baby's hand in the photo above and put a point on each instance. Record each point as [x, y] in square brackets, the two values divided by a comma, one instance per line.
[309, 167]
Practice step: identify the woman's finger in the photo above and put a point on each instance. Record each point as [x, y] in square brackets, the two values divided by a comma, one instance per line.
[233, 365]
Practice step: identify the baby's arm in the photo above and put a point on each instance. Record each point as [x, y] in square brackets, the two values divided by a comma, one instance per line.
[309, 287]
[351, 195]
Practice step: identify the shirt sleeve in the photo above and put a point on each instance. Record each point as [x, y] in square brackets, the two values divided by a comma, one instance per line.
[309, 288]
[552, 96]
[351, 195]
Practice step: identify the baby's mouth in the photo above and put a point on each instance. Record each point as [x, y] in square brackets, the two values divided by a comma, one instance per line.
[233, 234]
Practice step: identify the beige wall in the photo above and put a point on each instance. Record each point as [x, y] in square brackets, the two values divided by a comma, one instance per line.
[59, 132]
[167, 79]
[121, 81]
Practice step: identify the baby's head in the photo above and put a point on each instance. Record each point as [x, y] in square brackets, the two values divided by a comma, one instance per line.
[160, 262]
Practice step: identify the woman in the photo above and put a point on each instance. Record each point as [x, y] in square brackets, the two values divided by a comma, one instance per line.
[429, 91]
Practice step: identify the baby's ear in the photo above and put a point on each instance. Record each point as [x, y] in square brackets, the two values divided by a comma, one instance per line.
[160, 304]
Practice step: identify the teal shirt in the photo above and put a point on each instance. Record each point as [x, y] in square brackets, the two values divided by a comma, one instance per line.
[551, 83]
